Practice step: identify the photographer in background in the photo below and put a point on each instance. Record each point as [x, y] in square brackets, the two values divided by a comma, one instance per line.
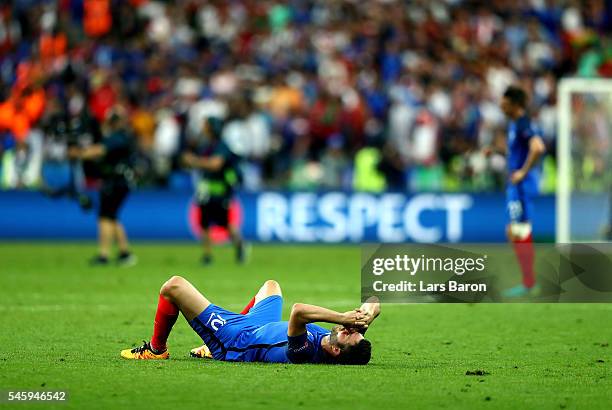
[114, 155]
[68, 125]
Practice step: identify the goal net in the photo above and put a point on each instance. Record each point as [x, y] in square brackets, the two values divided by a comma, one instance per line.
[584, 160]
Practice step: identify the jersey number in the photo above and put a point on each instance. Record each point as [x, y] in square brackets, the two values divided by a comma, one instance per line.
[215, 321]
[515, 209]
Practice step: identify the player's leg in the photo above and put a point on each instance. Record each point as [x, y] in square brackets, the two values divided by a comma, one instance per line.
[121, 237]
[206, 247]
[269, 288]
[234, 232]
[267, 304]
[269, 313]
[202, 351]
[521, 238]
[112, 197]
[106, 218]
[125, 258]
[519, 234]
[220, 209]
[238, 243]
[107, 214]
[176, 295]
[180, 292]
[105, 239]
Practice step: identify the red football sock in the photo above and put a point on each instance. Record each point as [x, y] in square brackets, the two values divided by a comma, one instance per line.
[165, 317]
[248, 307]
[525, 253]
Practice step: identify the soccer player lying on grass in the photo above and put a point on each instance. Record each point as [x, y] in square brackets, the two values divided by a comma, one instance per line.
[257, 334]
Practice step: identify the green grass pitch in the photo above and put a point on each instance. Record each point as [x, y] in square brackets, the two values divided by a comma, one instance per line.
[63, 324]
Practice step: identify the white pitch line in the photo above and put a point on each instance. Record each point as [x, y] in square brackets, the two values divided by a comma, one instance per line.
[54, 308]
[336, 303]
[105, 307]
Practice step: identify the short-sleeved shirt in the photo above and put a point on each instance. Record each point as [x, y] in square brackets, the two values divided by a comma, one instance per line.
[519, 197]
[217, 184]
[116, 162]
[520, 133]
[270, 343]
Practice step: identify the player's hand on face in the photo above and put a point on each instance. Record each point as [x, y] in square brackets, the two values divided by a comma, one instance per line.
[517, 176]
[368, 317]
[355, 319]
[371, 309]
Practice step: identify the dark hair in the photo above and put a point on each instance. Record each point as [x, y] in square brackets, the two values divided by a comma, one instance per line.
[356, 354]
[516, 95]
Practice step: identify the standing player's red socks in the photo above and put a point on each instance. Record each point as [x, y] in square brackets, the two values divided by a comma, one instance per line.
[523, 248]
[248, 307]
[165, 317]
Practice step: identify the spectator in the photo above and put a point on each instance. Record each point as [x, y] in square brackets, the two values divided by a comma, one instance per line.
[425, 77]
[334, 164]
[21, 165]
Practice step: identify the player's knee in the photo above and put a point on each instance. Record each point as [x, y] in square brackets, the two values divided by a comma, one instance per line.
[170, 287]
[272, 287]
[518, 231]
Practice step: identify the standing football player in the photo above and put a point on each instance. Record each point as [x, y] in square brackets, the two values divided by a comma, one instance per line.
[525, 147]
[217, 179]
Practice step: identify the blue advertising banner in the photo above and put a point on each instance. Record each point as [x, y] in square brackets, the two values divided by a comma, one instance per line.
[390, 217]
[327, 217]
[146, 215]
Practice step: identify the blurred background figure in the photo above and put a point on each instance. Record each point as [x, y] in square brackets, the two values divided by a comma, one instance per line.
[373, 96]
[66, 127]
[114, 155]
[426, 76]
[21, 164]
[216, 181]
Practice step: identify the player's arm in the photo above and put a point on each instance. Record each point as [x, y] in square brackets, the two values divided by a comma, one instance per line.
[92, 152]
[213, 163]
[371, 310]
[536, 150]
[302, 314]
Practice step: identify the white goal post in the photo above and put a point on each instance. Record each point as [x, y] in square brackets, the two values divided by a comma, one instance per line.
[565, 127]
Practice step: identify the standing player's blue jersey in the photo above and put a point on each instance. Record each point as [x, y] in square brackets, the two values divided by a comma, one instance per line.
[259, 336]
[519, 197]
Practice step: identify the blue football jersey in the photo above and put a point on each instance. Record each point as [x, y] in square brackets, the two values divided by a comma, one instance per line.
[520, 133]
[269, 343]
[519, 197]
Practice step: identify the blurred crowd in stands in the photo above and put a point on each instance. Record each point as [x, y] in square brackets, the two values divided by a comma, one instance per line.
[315, 94]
